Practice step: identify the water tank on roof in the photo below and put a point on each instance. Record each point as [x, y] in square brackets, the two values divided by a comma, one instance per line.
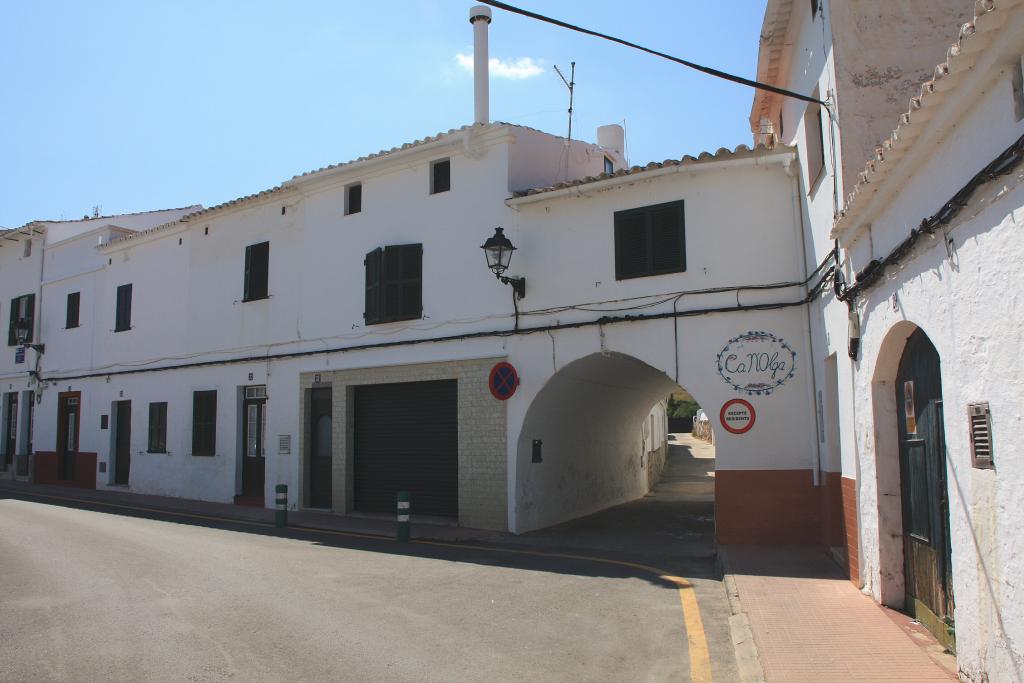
[612, 137]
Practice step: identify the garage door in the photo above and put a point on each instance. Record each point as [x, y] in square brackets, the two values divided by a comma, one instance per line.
[407, 439]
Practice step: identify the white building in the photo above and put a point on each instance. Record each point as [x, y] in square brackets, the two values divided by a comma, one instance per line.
[338, 334]
[915, 351]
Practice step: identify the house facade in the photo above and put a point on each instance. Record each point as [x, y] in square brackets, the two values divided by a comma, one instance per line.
[914, 344]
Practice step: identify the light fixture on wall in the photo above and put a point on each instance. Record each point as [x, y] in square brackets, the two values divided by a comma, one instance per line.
[498, 251]
[22, 328]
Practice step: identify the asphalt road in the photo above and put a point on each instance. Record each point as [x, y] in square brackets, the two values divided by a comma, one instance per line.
[91, 596]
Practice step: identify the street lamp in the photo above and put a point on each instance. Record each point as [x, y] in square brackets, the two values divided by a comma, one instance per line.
[22, 328]
[498, 252]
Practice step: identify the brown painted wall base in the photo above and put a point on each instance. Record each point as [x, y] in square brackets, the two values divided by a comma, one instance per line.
[770, 507]
[47, 470]
[778, 507]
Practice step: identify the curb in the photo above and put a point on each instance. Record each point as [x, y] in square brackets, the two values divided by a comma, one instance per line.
[748, 662]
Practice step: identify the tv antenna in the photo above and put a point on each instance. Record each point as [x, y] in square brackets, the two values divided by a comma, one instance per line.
[571, 85]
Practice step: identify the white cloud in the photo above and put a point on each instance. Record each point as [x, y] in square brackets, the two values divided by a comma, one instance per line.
[515, 69]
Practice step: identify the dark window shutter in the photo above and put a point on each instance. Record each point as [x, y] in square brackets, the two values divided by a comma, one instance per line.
[30, 315]
[204, 422]
[441, 176]
[12, 339]
[667, 248]
[74, 303]
[157, 428]
[123, 314]
[257, 271]
[650, 241]
[412, 281]
[373, 263]
[631, 245]
[354, 201]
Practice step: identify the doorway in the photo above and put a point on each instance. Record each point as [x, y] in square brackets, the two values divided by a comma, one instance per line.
[320, 448]
[10, 428]
[122, 442]
[254, 412]
[925, 504]
[67, 434]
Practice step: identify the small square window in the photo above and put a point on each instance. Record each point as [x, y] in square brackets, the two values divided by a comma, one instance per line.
[353, 198]
[440, 176]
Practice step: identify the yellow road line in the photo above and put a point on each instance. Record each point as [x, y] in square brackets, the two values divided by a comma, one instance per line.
[696, 639]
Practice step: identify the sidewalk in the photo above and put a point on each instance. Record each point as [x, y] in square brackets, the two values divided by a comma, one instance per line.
[383, 525]
[811, 624]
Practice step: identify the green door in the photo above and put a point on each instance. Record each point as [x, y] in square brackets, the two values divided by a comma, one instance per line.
[926, 553]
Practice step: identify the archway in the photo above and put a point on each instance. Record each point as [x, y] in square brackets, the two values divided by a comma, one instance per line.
[910, 452]
[588, 440]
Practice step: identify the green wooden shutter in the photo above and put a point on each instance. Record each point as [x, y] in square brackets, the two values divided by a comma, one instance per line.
[411, 274]
[30, 316]
[667, 248]
[12, 339]
[257, 271]
[373, 263]
[631, 245]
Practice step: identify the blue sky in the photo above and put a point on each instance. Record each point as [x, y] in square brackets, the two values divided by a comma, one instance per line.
[135, 106]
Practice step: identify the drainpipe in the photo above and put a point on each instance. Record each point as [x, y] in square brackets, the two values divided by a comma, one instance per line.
[813, 388]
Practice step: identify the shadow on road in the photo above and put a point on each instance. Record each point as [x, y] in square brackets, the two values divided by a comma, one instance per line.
[671, 529]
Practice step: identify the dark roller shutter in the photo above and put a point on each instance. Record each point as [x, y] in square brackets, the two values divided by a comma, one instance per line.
[407, 439]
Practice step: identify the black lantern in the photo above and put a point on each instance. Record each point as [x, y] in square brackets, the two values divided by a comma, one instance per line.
[22, 328]
[498, 252]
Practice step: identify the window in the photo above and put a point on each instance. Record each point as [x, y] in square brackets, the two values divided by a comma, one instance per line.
[650, 241]
[157, 428]
[74, 299]
[815, 144]
[123, 313]
[440, 176]
[22, 308]
[815, 6]
[204, 423]
[609, 166]
[257, 267]
[353, 199]
[27, 249]
[394, 284]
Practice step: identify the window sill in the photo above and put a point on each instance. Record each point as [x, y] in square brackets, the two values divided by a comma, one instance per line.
[395, 320]
[73, 327]
[123, 329]
[157, 452]
[816, 182]
[203, 455]
[620, 278]
[255, 298]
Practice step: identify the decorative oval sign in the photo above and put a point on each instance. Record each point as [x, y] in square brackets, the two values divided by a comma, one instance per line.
[504, 381]
[737, 416]
[756, 363]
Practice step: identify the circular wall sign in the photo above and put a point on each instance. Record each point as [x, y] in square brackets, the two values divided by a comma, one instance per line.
[737, 416]
[756, 363]
[504, 381]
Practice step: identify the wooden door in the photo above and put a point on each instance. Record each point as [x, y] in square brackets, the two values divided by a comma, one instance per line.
[67, 434]
[254, 409]
[926, 553]
[123, 443]
[320, 448]
[10, 428]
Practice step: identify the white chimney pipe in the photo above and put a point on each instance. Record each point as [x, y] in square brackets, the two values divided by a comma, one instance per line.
[480, 17]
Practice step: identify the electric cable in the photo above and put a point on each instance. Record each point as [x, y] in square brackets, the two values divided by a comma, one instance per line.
[698, 67]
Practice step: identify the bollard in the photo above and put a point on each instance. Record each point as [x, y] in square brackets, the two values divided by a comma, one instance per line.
[403, 515]
[281, 514]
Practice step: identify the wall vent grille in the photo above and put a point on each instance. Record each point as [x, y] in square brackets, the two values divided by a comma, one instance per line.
[980, 421]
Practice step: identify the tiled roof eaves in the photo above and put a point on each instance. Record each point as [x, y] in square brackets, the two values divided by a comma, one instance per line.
[989, 16]
[777, 15]
[287, 185]
[723, 154]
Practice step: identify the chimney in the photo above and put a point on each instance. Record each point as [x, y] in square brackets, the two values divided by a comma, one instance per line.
[480, 17]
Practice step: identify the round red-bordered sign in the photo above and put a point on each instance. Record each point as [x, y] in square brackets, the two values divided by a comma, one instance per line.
[737, 416]
[503, 382]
